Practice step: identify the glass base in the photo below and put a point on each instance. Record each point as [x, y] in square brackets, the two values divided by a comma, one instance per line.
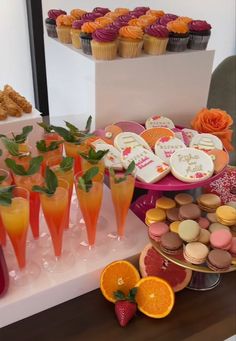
[54, 264]
[204, 281]
[118, 243]
[25, 276]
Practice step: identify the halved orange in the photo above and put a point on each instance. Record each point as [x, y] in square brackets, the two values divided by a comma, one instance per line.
[155, 297]
[119, 275]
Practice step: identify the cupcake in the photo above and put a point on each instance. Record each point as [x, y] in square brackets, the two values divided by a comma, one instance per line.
[199, 36]
[167, 18]
[77, 13]
[130, 41]
[86, 35]
[101, 10]
[156, 13]
[112, 15]
[121, 10]
[51, 22]
[187, 20]
[64, 24]
[91, 16]
[136, 22]
[179, 36]
[147, 20]
[155, 39]
[104, 44]
[104, 21]
[75, 33]
[142, 9]
[136, 14]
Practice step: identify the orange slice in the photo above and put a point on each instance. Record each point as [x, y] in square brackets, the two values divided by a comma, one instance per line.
[119, 275]
[153, 134]
[155, 297]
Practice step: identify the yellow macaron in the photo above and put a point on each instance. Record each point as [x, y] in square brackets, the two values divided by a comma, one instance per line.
[174, 227]
[226, 215]
[165, 203]
[155, 215]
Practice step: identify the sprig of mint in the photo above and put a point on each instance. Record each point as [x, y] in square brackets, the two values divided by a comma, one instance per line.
[85, 181]
[11, 146]
[76, 138]
[43, 148]
[76, 131]
[21, 138]
[6, 195]
[67, 164]
[17, 169]
[51, 184]
[2, 178]
[47, 128]
[94, 157]
[128, 171]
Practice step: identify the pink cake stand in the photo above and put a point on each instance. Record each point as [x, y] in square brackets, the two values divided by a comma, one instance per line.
[167, 184]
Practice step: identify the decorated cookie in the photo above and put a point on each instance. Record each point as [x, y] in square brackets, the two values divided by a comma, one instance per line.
[180, 134]
[166, 146]
[131, 126]
[111, 131]
[190, 133]
[191, 165]
[112, 158]
[157, 121]
[149, 168]
[153, 134]
[127, 139]
[206, 142]
[99, 134]
[220, 159]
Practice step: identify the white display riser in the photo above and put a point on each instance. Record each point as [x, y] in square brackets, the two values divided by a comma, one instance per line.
[173, 84]
[15, 124]
[51, 289]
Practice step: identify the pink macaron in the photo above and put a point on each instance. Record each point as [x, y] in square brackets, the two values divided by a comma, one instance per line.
[221, 239]
[156, 230]
[232, 248]
[203, 222]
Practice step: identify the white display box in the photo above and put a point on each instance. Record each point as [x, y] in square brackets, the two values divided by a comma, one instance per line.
[15, 124]
[174, 84]
[51, 289]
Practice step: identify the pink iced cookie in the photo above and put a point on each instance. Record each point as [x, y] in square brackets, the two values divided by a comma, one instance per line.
[232, 249]
[221, 239]
[203, 222]
[156, 230]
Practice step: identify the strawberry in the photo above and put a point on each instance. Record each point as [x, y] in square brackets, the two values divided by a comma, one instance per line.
[125, 307]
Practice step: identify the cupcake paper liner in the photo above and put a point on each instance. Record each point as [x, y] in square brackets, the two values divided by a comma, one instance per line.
[64, 35]
[75, 38]
[104, 51]
[198, 42]
[51, 30]
[129, 48]
[177, 44]
[155, 46]
[86, 44]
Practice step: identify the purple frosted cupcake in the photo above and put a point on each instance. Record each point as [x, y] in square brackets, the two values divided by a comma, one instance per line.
[199, 36]
[101, 10]
[104, 44]
[155, 39]
[51, 21]
[166, 18]
[91, 16]
[75, 33]
[142, 9]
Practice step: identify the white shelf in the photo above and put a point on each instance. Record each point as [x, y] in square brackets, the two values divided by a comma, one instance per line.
[52, 289]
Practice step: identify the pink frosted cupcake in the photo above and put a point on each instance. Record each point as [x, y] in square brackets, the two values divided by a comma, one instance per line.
[155, 39]
[199, 36]
[51, 21]
[75, 33]
[104, 44]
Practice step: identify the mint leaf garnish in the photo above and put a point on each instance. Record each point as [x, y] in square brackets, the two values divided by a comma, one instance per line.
[85, 181]
[128, 171]
[67, 164]
[11, 146]
[17, 169]
[2, 178]
[6, 195]
[21, 138]
[46, 128]
[43, 148]
[94, 157]
[73, 129]
[88, 124]
[65, 134]
[51, 183]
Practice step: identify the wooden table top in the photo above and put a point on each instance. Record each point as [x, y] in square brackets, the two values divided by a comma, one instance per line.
[209, 315]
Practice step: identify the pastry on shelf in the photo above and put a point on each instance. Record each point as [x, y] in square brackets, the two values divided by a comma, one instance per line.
[10, 106]
[18, 99]
[3, 113]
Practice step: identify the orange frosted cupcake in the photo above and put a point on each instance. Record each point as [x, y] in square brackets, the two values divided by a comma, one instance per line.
[136, 22]
[156, 13]
[64, 24]
[121, 10]
[86, 35]
[77, 13]
[155, 39]
[130, 41]
[112, 15]
[179, 36]
[104, 21]
[147, 20]
[187, 20]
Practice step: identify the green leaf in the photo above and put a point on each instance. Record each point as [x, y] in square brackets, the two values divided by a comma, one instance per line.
[88, 124]
[130, 169]
[67, 164]
[132, 294]
[93, 156]
[34, 165]
[11, 146]
[47, 128]
[73, 129]
[64, 133]
[6, 195]
[82, 184]
[85, 181]
[40, 189]
[43, 148]
[2, 178]
[51, 180]
[14, 167]
[0, 152]
[21, 138]
[119, 295]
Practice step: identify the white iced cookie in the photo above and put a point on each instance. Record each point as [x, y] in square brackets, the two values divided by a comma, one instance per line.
[148, 167]
[112, 158]
[191, 165]
[157, 121]
[128, 139]
[190, 133]
[166, 146]
[206, 142]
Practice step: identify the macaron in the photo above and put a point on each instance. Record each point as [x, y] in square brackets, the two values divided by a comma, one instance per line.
[209, 202]
[217, 226]
[172, 214]
[232, 249]
[204, 236]
[183, 199]
[226, 215]
[212, 217]
[189, 230]
[155, 215]
[190, 211]
[165, 203]
[171, 243]
[196, 253]
[219, 260]
[174, 227]
[203, 222]
[156, 230]
[221, 239]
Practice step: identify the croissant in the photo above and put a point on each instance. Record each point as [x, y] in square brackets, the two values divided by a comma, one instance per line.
[11, 107]
[3, 113]
[18, 99]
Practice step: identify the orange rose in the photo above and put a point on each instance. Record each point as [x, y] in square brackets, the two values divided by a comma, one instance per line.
[216, 122]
